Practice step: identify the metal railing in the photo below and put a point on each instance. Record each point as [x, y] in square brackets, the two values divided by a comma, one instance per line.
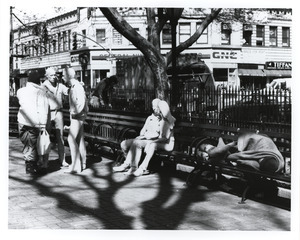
[258, 109]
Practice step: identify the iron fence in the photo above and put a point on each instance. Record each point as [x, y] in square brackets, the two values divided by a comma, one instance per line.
[257, 109]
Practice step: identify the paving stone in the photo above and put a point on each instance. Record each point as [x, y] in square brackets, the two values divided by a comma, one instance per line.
[98, 199]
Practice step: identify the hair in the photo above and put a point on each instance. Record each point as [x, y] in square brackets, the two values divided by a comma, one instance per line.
[49, 71]
[165, 112]
[113, 79]
[70, 73]
[34, 77]
[155, 102]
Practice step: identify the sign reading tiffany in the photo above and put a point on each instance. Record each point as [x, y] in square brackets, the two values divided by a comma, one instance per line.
[279, 65]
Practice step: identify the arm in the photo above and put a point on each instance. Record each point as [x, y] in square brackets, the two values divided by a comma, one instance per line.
[48, 86]
[143, 130]
[65, 89]
[78, 100]
[165, 131]
[43, 108]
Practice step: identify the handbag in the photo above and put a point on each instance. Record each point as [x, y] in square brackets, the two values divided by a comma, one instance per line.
[43, 143]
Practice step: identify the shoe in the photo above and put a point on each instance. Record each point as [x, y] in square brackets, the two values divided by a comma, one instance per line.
[139, 172]
[64, 164]
[31, 167]
[130, 171]
[83, 166]
[121, 168]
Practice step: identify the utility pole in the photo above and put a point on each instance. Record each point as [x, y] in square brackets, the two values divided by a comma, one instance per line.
[174, 14]
[11, 42]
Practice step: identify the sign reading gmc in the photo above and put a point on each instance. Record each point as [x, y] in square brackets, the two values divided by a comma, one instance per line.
[225, 55]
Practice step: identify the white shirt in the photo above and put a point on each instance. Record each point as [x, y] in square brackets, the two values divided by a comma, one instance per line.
[77, 100]
[34, 106]
[56, 94]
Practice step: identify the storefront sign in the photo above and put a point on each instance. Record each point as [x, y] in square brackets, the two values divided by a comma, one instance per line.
[74, 60]
[225, 55]
[279, 65]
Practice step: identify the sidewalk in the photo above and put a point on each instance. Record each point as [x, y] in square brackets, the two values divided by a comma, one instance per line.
[98, 199]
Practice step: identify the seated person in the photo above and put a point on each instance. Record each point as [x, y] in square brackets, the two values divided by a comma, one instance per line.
[165, 141]
[132, 148]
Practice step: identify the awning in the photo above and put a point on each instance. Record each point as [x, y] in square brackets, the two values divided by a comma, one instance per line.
[252, 72]
[278, 73]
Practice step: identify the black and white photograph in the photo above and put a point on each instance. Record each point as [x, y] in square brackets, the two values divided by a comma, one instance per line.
[155, 119]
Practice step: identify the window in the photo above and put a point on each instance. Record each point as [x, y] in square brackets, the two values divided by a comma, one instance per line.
[65, 41]
[184, 31]
[69, 39]
[273, 36]
[34, 48]
[83, 38]
[260, 35]
[100, 35]
[220, 74]
[285, 36]
[117, 37]
[225, 33]
[203, 39]
[54, 41]
[167, 34]
[247, 35]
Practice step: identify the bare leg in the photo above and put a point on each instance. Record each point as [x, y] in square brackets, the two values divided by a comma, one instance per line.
[82, 147]
[74, 146]
[151, 148]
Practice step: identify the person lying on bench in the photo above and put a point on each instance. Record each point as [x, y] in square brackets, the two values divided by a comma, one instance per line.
[132, 148]
[252, 150]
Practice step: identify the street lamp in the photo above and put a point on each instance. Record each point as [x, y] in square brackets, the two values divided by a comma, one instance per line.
[174, 15]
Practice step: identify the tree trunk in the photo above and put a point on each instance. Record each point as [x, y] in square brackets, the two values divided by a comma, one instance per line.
[151, 52]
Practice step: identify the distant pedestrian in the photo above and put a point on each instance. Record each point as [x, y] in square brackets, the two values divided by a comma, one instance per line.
[78, 113]
[56, 90]
[33, 117]
[100, 95]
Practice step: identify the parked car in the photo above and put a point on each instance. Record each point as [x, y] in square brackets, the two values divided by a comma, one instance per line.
[280, 83]
[259, 106]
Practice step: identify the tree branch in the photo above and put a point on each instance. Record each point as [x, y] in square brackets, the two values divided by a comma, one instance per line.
[195, 36]
[124, 28]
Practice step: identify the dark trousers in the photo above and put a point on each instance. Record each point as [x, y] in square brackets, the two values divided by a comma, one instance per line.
[28, 136]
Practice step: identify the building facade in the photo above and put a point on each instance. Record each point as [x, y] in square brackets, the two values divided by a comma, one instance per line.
[248, 55]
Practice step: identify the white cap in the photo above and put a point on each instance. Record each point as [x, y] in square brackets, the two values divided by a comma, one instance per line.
[49, 71]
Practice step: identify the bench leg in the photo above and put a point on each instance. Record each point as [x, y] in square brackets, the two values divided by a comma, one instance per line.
[191, 180]
[196, 174]
[244, 195]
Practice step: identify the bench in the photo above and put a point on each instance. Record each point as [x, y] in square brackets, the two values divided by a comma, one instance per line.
[105, 130]
[13, 121]
[195, 166]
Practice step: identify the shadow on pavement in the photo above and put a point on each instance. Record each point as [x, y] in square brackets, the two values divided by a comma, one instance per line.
[111, 216]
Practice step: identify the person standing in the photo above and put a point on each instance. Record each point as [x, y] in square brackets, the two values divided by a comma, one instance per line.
[56, 91]
[33, 117]
[78, 113]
